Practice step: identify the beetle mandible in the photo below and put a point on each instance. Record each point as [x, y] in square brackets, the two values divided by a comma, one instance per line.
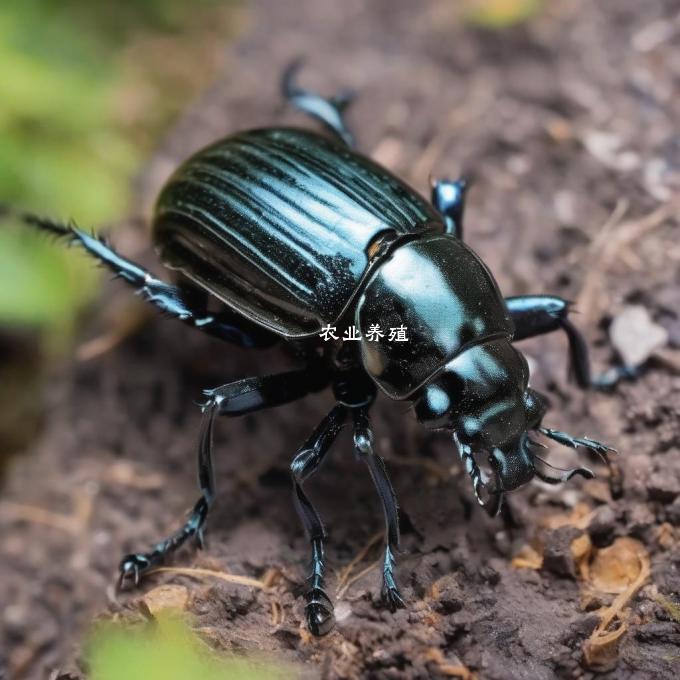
[292, 232]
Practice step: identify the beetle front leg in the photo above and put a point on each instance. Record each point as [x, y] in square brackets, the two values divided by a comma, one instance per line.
[538, 314]
[318, 607]
[329, 111]
[363, 446]
[172, 301]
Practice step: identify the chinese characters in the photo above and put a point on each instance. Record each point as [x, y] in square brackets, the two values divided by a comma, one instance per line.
[373, 334]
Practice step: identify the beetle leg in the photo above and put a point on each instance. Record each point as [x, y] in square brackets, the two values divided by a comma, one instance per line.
[135, 564]
[233, 399]
[363, 445]
[171, 300]
[318, 608]
[602, 450]
[328, 111]
[448, 198]
[538, 314]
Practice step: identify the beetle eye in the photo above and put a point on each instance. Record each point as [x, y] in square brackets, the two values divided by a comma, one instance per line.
[433, 407]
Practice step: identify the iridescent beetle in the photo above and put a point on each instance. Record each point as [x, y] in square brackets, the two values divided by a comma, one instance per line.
[288, 232]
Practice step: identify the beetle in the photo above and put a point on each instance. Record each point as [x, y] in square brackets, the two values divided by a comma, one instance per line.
[290, 234]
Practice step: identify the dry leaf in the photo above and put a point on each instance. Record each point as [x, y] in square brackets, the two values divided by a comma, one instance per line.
[665, 535]
[527, 558]
[579, 517]
[454, 670]
[614, 568]
[581, 549]
[166, 597]
[600, 650]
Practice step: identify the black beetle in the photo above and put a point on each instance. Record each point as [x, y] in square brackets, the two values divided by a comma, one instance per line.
[296, 234]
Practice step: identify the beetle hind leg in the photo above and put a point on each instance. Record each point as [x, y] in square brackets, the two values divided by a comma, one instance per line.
[363, 446]
[448, 198]
[330, 111]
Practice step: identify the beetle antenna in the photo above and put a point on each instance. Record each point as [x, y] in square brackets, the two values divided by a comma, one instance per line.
[563, 475]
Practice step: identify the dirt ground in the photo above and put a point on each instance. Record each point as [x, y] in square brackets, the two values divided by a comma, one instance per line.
[566, 127]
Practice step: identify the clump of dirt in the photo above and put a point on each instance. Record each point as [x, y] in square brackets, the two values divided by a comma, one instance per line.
[566, 125]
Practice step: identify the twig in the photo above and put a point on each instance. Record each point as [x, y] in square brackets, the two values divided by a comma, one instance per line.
[601, 638]
[412, 461]
[210, 573]
[347, 570]
[31, 513]
[443, 666]
[341, 591]
[606, 248]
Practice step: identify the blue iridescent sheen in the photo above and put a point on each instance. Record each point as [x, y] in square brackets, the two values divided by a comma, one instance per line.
[278, 233]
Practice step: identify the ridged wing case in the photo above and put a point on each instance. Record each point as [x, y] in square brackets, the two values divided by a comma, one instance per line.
[281, 224]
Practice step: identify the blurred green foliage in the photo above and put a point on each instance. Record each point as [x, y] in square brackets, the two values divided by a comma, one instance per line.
[66, 144]
[497, 14]
[166, 650]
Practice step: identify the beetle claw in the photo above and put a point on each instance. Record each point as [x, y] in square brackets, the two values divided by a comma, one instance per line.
[392, 598]
[319, 612]
[132, 566]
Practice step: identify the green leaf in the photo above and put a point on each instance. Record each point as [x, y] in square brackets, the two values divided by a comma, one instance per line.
[498, 14]
[40, 283]
[166, 650]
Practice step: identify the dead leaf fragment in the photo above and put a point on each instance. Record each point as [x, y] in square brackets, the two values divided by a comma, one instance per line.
[665, 535]
[635, 335]
[166, 597]
[581, 548]
[527, 558]
[579, 517]
[454, 670]
[600, 650]
[614, 568]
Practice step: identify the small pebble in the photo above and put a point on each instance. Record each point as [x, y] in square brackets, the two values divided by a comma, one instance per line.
[636, 336]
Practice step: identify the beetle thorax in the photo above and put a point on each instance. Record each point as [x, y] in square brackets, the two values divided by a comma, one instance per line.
[444, 298]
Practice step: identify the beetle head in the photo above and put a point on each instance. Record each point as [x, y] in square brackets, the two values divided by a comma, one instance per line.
[482, 396]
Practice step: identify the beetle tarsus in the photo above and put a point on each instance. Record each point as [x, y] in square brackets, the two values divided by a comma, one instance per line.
[390, 594]
[614, 375]
[327, 110]
[319, 608]
[603, 450]
[133, 566]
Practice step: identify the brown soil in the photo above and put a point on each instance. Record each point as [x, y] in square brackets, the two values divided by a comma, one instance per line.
[526, 112]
